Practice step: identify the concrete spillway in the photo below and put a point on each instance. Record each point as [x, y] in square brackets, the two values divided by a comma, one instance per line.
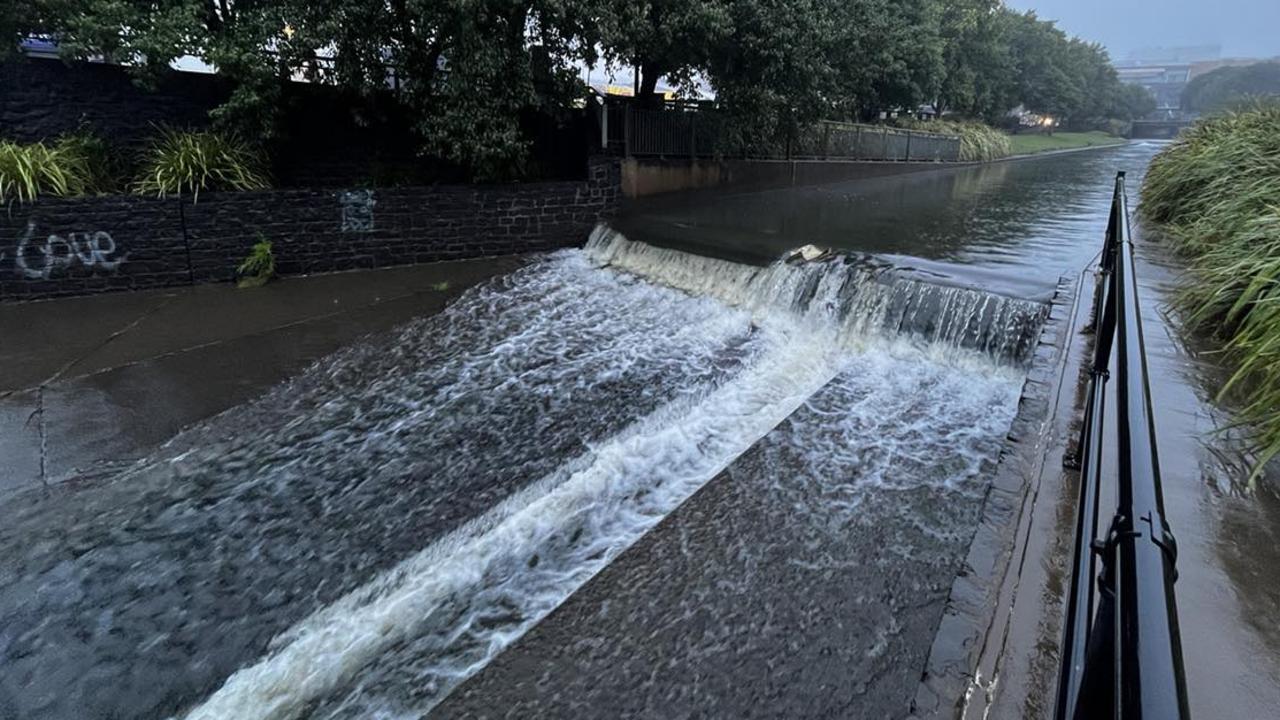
[371, 535]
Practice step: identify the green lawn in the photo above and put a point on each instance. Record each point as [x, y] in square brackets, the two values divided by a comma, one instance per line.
[1036, 143]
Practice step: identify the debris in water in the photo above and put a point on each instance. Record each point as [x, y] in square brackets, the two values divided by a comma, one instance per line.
[808, 253]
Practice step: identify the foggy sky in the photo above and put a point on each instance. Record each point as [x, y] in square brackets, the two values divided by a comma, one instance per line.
[1244, 28]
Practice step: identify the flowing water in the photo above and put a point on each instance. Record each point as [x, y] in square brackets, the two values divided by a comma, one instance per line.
[626, 480]
[370, 534]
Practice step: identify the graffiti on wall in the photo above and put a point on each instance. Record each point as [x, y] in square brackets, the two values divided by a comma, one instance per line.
[357, 210]
[39, 259]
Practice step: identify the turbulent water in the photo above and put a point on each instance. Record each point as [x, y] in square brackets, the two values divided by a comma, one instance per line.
[366, 537]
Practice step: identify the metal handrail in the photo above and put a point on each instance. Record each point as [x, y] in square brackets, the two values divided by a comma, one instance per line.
[1121, 650]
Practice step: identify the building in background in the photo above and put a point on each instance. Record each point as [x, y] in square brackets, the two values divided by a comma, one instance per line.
[1165, 72]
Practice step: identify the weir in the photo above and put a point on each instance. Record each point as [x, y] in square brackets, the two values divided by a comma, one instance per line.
[377, 531]
[852, 295]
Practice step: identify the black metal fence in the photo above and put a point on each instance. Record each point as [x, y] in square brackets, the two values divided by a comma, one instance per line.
[688, 130]
[1121, 650]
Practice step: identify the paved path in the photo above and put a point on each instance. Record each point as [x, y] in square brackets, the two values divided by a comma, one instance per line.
[104, 378]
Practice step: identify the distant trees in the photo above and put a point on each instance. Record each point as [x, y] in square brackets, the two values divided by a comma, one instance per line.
[470, 68]
[1227, 86]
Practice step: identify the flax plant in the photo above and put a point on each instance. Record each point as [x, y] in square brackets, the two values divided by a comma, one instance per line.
[188, 162]
[1216, 191]
[28, 171]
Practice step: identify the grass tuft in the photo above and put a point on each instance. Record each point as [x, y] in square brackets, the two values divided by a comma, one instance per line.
[29, 171]
[188, 162]
[259, 267]
[1216, 189]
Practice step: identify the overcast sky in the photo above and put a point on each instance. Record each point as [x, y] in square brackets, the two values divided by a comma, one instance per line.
[1244, 28]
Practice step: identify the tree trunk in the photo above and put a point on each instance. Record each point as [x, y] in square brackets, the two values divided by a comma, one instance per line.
[649, 74]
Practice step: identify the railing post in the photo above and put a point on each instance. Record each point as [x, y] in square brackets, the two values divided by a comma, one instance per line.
[627, 123]
[693, 135]
[908, 146]
[604, 125]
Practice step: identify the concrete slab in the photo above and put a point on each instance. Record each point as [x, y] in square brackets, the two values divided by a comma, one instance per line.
[39, 339]
[19, 440]
[123, 373]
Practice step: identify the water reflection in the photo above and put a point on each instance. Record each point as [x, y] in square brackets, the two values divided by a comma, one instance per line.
[1012, 227]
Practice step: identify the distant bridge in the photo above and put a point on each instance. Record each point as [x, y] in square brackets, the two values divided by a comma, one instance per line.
[1157, 129]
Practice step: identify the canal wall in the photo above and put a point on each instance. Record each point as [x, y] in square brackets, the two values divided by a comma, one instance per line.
[960, 678]
[74, 246]
[645, 177]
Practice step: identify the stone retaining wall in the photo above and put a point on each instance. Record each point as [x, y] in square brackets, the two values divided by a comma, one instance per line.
[57, 247]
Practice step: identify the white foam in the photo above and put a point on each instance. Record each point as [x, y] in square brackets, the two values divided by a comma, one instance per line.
[624, 487]
[860, 302]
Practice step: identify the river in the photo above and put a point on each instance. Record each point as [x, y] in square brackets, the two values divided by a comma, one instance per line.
[665, 472]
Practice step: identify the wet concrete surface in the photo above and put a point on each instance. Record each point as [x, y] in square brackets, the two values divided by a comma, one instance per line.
[93, 380]
[136, 594]
[805, 581]
[1228, 584]
[1228, 589]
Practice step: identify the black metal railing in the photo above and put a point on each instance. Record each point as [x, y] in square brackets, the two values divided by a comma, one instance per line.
[1121, 651]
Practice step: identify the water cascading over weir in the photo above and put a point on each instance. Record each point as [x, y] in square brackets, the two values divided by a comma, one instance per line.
[396, 527]
[852, 296]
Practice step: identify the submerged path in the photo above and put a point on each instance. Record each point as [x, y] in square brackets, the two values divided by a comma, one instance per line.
[624, 480]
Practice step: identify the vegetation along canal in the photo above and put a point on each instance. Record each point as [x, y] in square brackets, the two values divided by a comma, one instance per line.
[664, 472]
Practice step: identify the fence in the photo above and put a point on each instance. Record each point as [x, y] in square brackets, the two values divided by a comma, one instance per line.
[687, 130]
[1121, 652]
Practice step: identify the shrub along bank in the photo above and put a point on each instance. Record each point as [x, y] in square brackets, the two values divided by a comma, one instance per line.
[176, 163]
[1216, 190]
[979, 142]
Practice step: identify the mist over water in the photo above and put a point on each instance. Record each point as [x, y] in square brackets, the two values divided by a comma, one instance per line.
[367, 536]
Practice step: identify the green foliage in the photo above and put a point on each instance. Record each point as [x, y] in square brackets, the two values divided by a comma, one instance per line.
[29, 171]
[1227, 87]
[259, 267]
[979, 142]
[1217, 191]
[978, 79]
[470, 70]
[99, 167]
[188, 162]
[1133, 102]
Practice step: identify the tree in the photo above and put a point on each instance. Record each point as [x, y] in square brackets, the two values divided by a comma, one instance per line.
[1228, 86]
[1132, 102]
[471, 70]
[978, 68]
[663, 38]
[770, 69]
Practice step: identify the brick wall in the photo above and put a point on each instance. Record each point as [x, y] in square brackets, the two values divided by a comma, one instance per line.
[58, 247]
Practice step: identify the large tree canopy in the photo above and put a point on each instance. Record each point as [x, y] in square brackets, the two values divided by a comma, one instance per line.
[1227, 86]
[470, 69]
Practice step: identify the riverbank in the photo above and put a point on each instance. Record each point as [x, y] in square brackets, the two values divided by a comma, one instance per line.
[1031, 144]
[1215, 193]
